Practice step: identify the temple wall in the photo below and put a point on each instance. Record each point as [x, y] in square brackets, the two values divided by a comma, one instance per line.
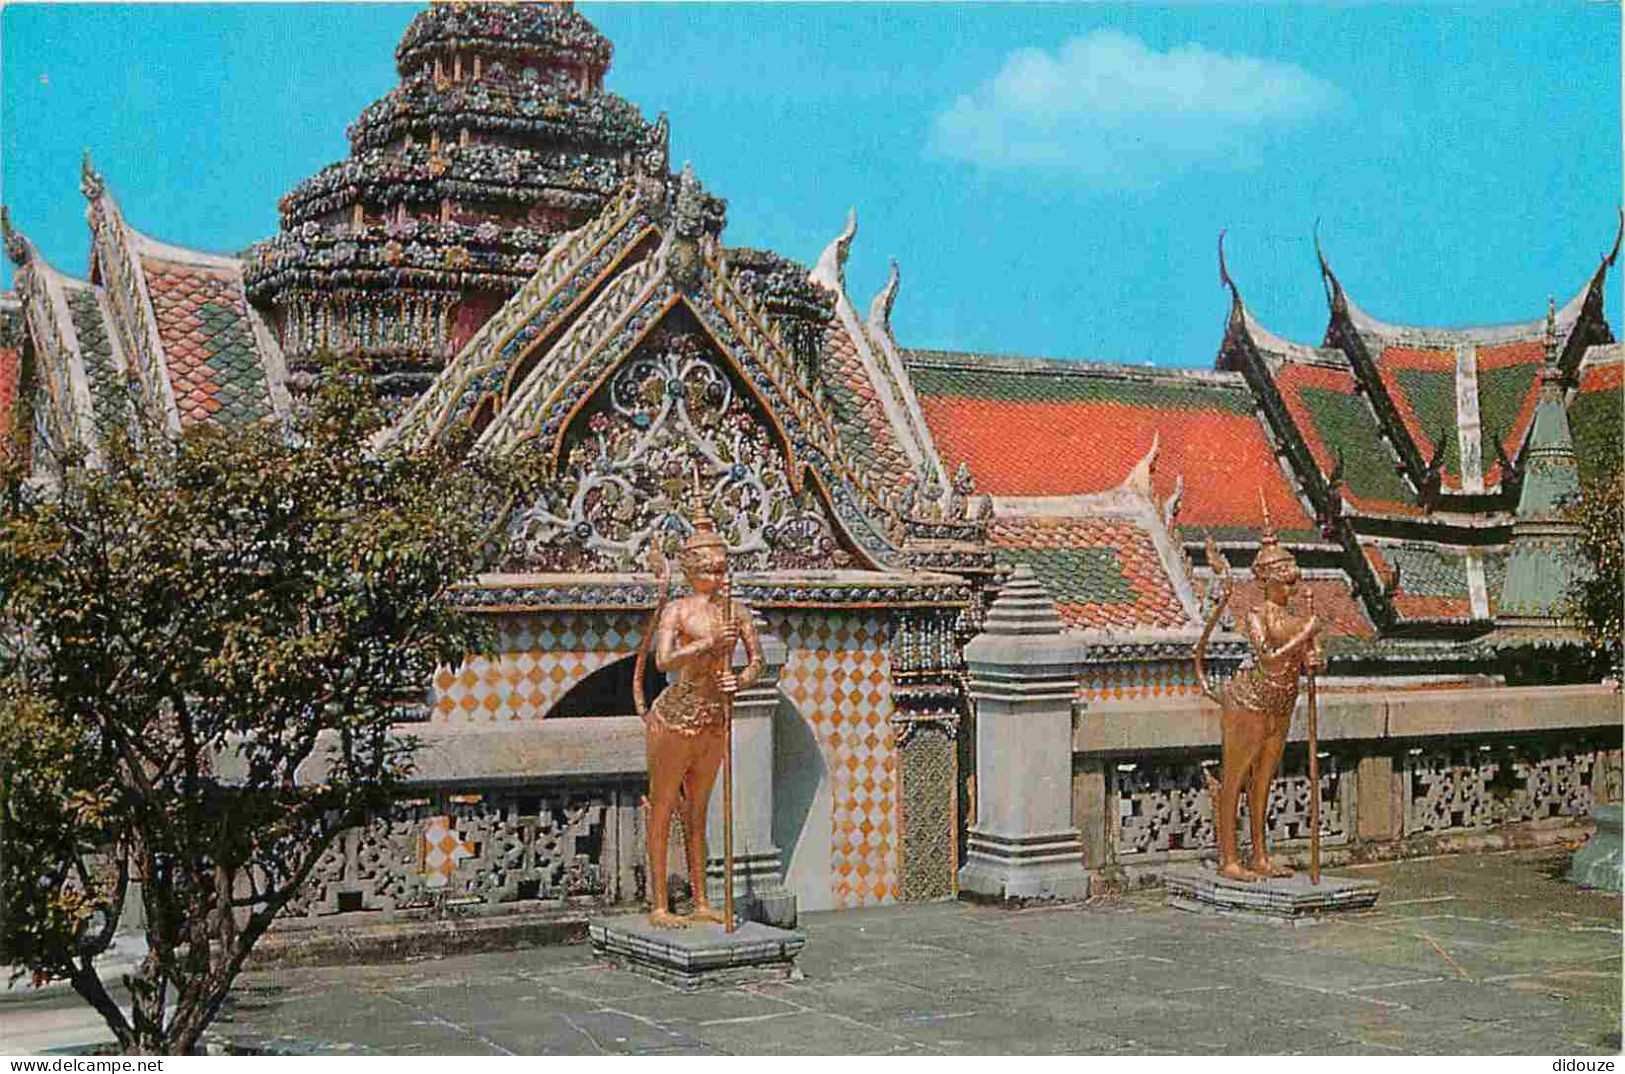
[837, 681]
[1400, 773]
[538, 658]
[512, 808]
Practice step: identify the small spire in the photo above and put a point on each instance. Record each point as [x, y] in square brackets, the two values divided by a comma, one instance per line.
[1268, 534]
[1551, 370]
[688, 214]
[91, 184]
[1023, 607]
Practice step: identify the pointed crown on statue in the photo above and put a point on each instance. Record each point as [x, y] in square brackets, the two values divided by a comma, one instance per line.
[1273, 562]
[705, 535]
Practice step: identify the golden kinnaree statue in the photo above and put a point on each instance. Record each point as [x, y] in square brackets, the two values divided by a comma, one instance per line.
[1257, 703]
[688, 724]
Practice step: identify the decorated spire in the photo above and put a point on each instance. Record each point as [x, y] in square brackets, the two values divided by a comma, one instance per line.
[705, 533]
[499, 138]
[1271, 556]
[91, 184]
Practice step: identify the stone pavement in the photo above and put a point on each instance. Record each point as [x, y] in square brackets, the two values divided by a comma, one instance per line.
[1468, 954]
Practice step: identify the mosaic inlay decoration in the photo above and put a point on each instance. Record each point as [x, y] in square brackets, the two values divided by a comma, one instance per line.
[670, 408]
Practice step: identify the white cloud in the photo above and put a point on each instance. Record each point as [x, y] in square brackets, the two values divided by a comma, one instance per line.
[1117, 113]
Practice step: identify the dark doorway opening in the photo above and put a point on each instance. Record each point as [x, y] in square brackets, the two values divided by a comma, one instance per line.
[608, 691]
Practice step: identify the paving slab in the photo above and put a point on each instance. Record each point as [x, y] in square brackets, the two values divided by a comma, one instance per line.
[1489, 956]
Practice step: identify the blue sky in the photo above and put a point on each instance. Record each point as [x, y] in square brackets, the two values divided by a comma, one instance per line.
[1052, 178]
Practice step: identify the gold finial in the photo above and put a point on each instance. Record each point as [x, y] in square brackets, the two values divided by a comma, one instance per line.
[1271, 556]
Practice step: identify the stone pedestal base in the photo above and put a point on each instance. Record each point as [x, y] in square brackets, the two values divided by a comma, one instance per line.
[1290, 899]
[1042, 867]
[1600, 863]
[699, 956]
[759, 893]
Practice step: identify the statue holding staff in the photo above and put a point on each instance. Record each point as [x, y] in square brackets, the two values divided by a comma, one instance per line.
[1257, 703]
[688, 724]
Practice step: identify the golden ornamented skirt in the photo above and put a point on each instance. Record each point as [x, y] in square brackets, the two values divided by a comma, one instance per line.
[686, 710]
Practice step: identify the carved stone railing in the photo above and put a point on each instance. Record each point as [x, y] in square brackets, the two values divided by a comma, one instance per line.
[1400, 771]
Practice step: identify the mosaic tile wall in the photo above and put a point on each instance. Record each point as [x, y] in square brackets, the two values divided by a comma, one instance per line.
[838, 677]
[539, 658]
[1139, 678]
[929, 775]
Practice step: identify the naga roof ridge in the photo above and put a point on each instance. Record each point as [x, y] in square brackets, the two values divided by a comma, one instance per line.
[1078, 367]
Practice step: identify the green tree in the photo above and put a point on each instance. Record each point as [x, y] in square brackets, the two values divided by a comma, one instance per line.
[1598, 597]
[203, 648]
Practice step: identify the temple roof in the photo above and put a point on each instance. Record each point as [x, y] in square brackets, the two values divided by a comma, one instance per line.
[204, 326]
[159, 335]
[552, 33]
[1029, 427]
[1595, 416]
[1438, 583]
[1456, 401]
[572, 357]
[1104, 573]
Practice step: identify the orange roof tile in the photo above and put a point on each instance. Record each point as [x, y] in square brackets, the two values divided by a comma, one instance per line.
[1609, 376]
[11, 369]
[213, 361]
[1050, 432]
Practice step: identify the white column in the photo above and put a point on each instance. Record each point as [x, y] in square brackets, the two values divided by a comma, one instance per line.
[759, 892]
[1023, 678]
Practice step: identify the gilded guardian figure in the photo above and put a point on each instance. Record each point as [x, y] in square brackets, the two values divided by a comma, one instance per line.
[1257, 703]
[687, 726]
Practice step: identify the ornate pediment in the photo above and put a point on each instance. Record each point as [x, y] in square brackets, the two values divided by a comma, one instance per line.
[670, 408]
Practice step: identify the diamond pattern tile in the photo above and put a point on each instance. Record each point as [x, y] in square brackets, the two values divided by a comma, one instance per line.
[208, 344]
[537, 661]
[838, 676]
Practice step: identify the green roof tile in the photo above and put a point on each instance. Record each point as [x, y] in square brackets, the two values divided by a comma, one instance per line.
[1345, 424]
